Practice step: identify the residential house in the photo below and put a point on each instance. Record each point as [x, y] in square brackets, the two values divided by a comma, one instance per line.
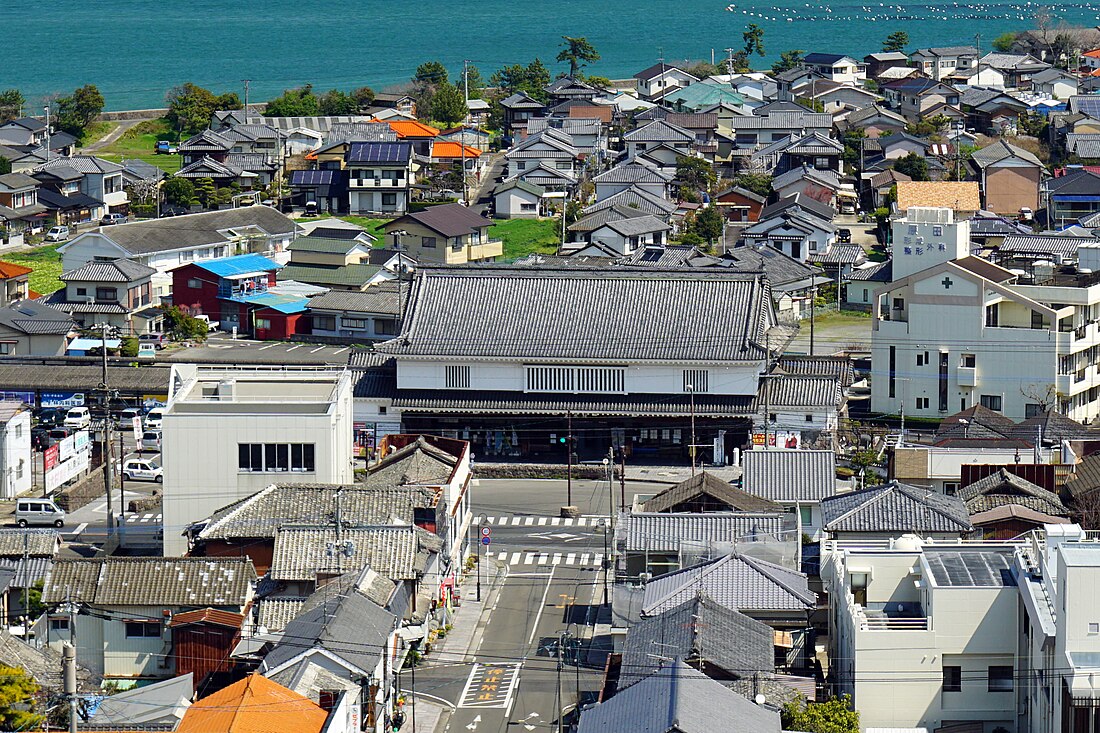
[20, 209]
[372, 314]
[328, 189]
[518, 199]
[918, 97]
[342, 260]
[1054, 83]
[1003, 505]
[623, 236]
[836, 67]
[419, 135]
[705, 96]
[862, 283]
[552, 150]
[739, 205]
[632, 174]
[894, 146]
[704, 125]
[379, 177]
[635, 198]
[798, 226]
[943, 62]
[14, 283]
[875, 63]
[26, 555]
[803, 408]
[157, 704]
[100, 179]
[581, 230]
[820, 185]
[660, 142]
[792, 282]
[764, 127]
[255, 703]
[963, 198]
[787, 82]
[991, 110]
[60, 192]
[404, 103]
[703, 493]
[1009, 177]
[565, 88]
[1071, 196]
[882, 186]
[448, 155]
[123, 606]
[225, 436]
[659, 79]
[1016, 68]
[585, 133]
[518, 109]
[836, 97]
[23, 131]
[118, 292]
[795, 479]
[544, 365]
[32, 328]
[447, 234]
[875, 120]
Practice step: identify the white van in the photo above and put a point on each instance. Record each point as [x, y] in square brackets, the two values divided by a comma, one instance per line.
[78, 417]
[154, 418]
[30, 512]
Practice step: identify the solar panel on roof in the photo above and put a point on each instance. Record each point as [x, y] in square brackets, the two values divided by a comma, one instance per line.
[970, 569]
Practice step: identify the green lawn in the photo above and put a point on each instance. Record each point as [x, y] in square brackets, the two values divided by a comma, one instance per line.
[373, 226]
[46, 263]
[98, 130]
[527, 236]
[139, 141]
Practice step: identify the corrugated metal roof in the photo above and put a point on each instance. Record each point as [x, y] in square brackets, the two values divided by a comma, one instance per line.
[237, 265]
[790, 475]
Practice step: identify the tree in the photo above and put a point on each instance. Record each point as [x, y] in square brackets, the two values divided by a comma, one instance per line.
[914, 166]
[206, 192]
[703, 69]
[129, 346]
[531, 79]
[758, 183]
[17, 693]
[5, 165]
[695, 173]
[190, 107]
[335, 102]
[11, 104]
[300, 102]
[448, 104]
[364, 97]
[754, 40]
[78, 111]
[708, 224]
[929, 126]
[834, 716]
[474, 82]
[576, 51]
[182, 326]
[431, 73]
[788, 60]
[179, 192]
[853, 139]
[896, 41]
[1004, 42]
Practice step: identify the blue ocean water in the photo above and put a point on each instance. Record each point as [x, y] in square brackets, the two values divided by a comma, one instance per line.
[134, 50]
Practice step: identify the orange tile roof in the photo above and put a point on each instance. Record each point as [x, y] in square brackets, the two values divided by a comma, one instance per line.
[448, 149]
[208, 616]
[601, 112]
[253, 705]
[410, 128]
[1094, 54]
[957, 195]
[10, 269]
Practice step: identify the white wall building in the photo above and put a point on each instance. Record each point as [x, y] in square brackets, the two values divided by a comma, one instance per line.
[925, 237]
[229, 433]
[15, 449]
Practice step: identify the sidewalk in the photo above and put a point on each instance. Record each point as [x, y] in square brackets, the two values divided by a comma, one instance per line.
[676, 474]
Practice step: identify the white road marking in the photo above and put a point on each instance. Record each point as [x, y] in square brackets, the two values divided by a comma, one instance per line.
[269, 346]
[543, 521]
[515, 558]
[317, 349]
[584, 558]
[568, 522]
[292, 348]
[516, 521]
[557, 558]
[555, 521]
[542, 605]
[598, 559]
[341, 351]
[529, 521]
[528, 557]
[80, 528]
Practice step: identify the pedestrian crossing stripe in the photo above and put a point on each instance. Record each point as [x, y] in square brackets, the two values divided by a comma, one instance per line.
[514, 521]
[594, 559]
[144, 518]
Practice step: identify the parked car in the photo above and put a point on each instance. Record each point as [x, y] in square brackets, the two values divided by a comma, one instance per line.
[210, 325]
[57, 435]
[110, 219]
[1027, 215]
[58, 234]
[311, 209]
[39, 512]
[150, 440]
[40, 438]
[165, 147]
[139, 469]
[147, 351]
[78, 417]
[125, 419]
[158, 340]
[49, 417]
[154, 418]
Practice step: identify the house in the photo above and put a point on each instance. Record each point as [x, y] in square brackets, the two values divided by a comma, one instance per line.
[876, 63]
[1016, 68]
[635, 198]
[1003, 505]
[764, 126]
[518, 109]
[65, 203]
[115, 292]
[862, 283]
[1054, 83]
[659, 79]
[448, 155]
[836, 97]
[659, 140]
[739, 205]
[896, 145]
[164, 244]
[623, 236]
[962, 197]
[792, 282]
[326, 188]
[892, 510]
[256, 703]
[202, 642]
[632, 174]
[100, 179]
[565, 88]
[819, 185]
[705, 96]
[991, 109]
[26, 555]
[419, 135]
[395, 100]
[882, 186]
[585, 133]
[20, 209]
[372, 314]
[1071, 196]
[705, 492]
[447, 234]
[562, 360]
[123, 606]
[798, 226]
[799, 408]
[32, 328]
[218, 450]
[940, 63]
[157, 704]
[917, 97]
[1009, 177]
[836, 67]
[518, 199]
[342, 259]
[795, 479]
[14, 283]
[379, 177]
[551, 149]
[23, 131]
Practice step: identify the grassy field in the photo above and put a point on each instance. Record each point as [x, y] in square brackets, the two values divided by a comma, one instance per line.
[46, 263]
[527, 236]
[139, 141]
[98, 131]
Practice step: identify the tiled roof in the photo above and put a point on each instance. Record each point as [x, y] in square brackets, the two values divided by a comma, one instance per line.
[1054, 427]
[207, 140]
[597, 219]
[146, 379]
[120, 271]
[343, 242]
[25, 573]
[800, 201]
[845, 254]
[8, 270]
[42, 665]
[657, 532]
[1001, 151]
[360, 132]
[36, 318]
[81, 164]
[667, 256]
[716, 317]
[34, 542]
[659, 131]
[301, 552]
[569, 125]
[741, 582]
[894, 509]
[693, 120]
[251, 705]
[1086, 476]
[212, 616]
[638, 225]
[412, 128]
[799, 391]
[715, 492]
[678, 698]
[532, 188]
[449, 220]
[382, 298]
[790, 475]
[355, 275]
[632, 172]
[960, 196]
[784, 121]
[1041, 244]
[1004, 487]
[781, 269]
[827, 178]
[150, 581]
[837, 367]
[455, 150]
[635, 198]
[275, 612]
[879, 272]
[698, 630]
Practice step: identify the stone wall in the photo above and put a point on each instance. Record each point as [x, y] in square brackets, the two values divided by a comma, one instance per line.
[81, 493]
[538, 470]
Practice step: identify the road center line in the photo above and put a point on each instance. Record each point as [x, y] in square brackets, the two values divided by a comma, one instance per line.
[542, 605]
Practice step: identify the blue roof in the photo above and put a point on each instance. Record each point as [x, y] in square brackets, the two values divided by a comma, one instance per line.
[379, 153]
[238, 265]
[281, 302]
[80, 344]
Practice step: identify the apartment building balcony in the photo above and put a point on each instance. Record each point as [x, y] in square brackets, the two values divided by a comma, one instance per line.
[485, 250]
[380, 183]
[967, 376]
[893, 616]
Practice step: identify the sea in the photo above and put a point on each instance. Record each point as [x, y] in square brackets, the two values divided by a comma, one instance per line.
[135, 50]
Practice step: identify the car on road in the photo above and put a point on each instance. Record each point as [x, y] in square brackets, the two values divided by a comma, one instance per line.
[40, 438]
[125, 419]
[139, 469]
[42, 512]
[158, 340]
[154, 417]
[56, 435]
[58, 234]
[150, 440]
[165, 147]
[110, 219]
[147, 351]
[844, 236]
[49, 417]
[78, 417]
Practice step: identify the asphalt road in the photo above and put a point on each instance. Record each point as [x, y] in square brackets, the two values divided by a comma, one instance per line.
[224, 349]
[545, 497]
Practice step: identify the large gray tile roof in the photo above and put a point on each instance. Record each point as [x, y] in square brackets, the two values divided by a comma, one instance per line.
[42, 665]
[741, 582]
[790, 475]
[301, 552]
[25, 573]
[511, 402]
[1000, 151]
[81, 164]
[659, 131]
[838, 367]
[152, 581]
[597, 219]
[779, 267]
[711, 490]
[895, 509]
[146, 379]
[782, 391]
[196, 230]
[38, 542]
[1042, 244]
[383, 298]
[586, 314]
[678, 699]
[35, 318]
[632, 173]
[449, 220]
[116, 271]
[784, 121]
[1004, 488]
[655, 532]
[699, 629]
[275, 612]
[635, 198]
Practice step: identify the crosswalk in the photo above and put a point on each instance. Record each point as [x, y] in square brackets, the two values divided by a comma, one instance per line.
[513, 521]
[144, 518]
[582, 559]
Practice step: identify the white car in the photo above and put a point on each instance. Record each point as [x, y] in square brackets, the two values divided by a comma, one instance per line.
[147, 351]
[150, 440]
[154, 418]
[78, 417]
[57, 234]
[137, 469]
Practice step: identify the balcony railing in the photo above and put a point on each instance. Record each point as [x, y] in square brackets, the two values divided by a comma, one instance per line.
[241, 290]
[377, 183]
[882, 623]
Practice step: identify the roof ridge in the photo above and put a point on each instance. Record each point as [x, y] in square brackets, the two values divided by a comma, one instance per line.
[755, 564]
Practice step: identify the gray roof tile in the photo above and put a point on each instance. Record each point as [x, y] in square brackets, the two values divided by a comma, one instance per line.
[713, 492]
[396, 552]
[895, 509]
[151, 581]
[1004, 487]
[790, 475]
[39, 542]
[741, 582]
[120, 271]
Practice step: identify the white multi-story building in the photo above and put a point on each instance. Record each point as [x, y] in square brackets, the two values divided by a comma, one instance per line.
[925, 237]
[963, 331]
[15, 449]
[230, 433]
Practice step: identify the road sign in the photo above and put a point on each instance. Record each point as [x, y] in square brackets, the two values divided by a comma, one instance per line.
[486, 540]
[136, 426]
[486, 531]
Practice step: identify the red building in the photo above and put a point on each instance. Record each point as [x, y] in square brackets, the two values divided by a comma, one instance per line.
[203, 640]
[740, 205]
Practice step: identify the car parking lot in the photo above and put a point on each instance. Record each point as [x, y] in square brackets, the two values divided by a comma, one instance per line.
[223, 348]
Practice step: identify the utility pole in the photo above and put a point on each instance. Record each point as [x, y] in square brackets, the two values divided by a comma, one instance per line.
[729, 61]
[569, 459]
[813, 300]
[477, 565]
[247, 82]
[68, 672]
[610, 463]
[622, 476]
[557, 685]
[465, 124]
[691, 392]
[108, 463]
[46, 109]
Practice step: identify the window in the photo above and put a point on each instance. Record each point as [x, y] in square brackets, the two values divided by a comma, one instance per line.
[456, 377]
[112, 184]
[1094, 628]
[899, 304]
[324, 323]
[991, 401]
[805, 515]
[263, 323]
[194, 283]
[922, 403]
[952, 679]
[576, 379]
[809, 418]
[428, 242]
[106, 293]
[1000, 679]
[60, 623]
[276, 457]
[385, 327]
[82, 291]
[922, 358]
[19, 468]
[5, 348]
[142, 630]
[950, 487]
[19, 430]
[696, 380]
[1037, 320]
[389, 199]
[528, 207]
[382, 409]
[356, 324]
[937, 231]
[821, 163]
[968, 361]
[912, 228]
[187, 255]
[327, 699]
[992, 314]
